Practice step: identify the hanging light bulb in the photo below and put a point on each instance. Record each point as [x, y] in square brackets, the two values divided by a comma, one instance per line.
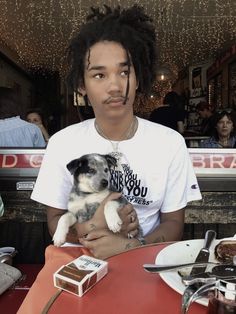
[164, 74]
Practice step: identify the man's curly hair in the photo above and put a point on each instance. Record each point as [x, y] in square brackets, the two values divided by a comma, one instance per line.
[131, 28]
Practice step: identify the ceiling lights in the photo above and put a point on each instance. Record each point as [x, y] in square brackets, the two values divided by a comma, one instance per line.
[188, 31]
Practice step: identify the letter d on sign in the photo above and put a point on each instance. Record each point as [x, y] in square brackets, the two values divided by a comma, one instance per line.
[9, 161]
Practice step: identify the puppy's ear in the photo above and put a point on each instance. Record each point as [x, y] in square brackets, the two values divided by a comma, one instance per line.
[73, 165]
[111, 160]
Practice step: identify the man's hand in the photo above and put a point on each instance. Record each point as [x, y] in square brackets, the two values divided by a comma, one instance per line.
[98, 220]
[130, 225]
[126, 213]
[104, 243]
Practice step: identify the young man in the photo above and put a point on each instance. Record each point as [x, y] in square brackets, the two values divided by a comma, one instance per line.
[112, 58]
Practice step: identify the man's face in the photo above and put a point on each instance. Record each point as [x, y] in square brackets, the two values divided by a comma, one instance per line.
[203, 113]
[105, 80]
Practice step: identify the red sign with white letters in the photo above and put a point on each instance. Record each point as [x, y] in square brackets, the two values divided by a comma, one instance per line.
[8, 161]
[201, 159]
[213, 160]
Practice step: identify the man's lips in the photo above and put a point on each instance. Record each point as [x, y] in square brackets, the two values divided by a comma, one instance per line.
[115, 100]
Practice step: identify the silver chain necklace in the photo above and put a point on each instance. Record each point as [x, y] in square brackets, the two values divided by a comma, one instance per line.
[115, 144]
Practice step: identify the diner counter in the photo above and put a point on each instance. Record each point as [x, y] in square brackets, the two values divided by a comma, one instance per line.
[195, 140]
[127, 288]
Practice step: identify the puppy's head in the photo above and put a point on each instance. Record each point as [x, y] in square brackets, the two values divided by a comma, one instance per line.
[91, 172]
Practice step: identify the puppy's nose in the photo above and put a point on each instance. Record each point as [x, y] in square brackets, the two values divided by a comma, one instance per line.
[104, 183]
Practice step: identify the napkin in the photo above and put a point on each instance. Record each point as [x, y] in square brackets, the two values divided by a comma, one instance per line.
[8, 276]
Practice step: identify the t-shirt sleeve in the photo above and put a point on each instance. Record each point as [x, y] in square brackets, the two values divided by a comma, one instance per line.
[182, 186]
[54, 181]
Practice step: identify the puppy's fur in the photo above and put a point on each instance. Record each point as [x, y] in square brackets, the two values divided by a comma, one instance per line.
[91, 185]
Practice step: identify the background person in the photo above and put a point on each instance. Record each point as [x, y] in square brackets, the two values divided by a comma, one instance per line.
[112, 58]
[15, 132]
[224, 132]
[206, 113]
[35, 116]
[170, 113]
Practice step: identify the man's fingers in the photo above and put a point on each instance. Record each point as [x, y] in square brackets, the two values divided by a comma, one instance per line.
[132, 234]
[126, 210]
[111, 196]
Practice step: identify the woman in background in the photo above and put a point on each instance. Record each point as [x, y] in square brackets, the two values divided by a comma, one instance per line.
[223, 133]
[35, 116]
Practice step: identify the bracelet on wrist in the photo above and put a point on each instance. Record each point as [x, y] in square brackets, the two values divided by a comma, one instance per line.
[141, 240]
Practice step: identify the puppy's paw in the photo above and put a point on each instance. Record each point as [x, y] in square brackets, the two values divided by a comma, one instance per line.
[115, 226]
[63, 225]
[112, 218]
[59, 237]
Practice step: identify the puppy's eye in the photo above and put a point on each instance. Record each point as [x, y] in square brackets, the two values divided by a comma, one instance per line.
[106, 170]
[91, 171]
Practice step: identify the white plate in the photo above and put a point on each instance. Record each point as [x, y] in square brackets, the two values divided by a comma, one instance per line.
[178, 253]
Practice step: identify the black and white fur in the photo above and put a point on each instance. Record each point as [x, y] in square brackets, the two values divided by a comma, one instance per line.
[91, 185]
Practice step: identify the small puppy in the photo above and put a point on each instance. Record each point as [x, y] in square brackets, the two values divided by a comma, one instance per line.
[91, 185]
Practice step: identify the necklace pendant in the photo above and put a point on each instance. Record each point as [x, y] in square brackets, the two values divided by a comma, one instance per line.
[116, 155]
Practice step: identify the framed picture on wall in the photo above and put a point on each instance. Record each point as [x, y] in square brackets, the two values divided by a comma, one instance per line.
[197, 80]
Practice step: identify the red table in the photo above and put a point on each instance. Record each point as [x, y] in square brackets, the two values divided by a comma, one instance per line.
[11, 299]
[126, 289]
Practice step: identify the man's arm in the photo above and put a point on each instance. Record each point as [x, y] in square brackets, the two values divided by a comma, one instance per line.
[78, 229]
[97, 222]
[103, 243]
[170, 229]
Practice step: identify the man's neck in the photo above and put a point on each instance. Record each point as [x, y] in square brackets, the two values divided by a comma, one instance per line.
[117, 130]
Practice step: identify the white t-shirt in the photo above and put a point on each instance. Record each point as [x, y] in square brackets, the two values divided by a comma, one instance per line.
[157, 171]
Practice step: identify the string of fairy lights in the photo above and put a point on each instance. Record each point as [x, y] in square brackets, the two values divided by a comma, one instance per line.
[188, 31]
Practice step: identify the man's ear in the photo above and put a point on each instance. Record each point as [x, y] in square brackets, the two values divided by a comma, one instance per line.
[82, 91]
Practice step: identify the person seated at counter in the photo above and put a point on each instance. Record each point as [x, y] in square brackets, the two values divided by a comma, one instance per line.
[223, 133]
[14, 131]
[35, 116]
[108, 69]
[206, 113]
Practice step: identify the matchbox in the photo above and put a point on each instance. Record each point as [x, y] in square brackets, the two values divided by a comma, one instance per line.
[80, 275]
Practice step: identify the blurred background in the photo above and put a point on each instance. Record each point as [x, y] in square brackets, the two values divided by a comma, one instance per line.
[196, 54]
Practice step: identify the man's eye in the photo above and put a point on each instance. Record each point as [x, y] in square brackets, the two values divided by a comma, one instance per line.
[98, 76]
[125, 73]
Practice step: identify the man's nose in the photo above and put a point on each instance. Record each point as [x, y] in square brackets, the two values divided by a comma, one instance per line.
[114, 83]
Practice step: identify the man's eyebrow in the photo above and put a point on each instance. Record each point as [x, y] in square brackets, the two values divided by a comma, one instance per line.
[96, 67]
[101, 67]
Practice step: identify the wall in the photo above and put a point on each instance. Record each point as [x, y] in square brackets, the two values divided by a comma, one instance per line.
[221, 68]
[11, 75]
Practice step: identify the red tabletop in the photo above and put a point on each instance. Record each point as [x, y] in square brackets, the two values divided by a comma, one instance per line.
[11, 299]
[127, 289]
